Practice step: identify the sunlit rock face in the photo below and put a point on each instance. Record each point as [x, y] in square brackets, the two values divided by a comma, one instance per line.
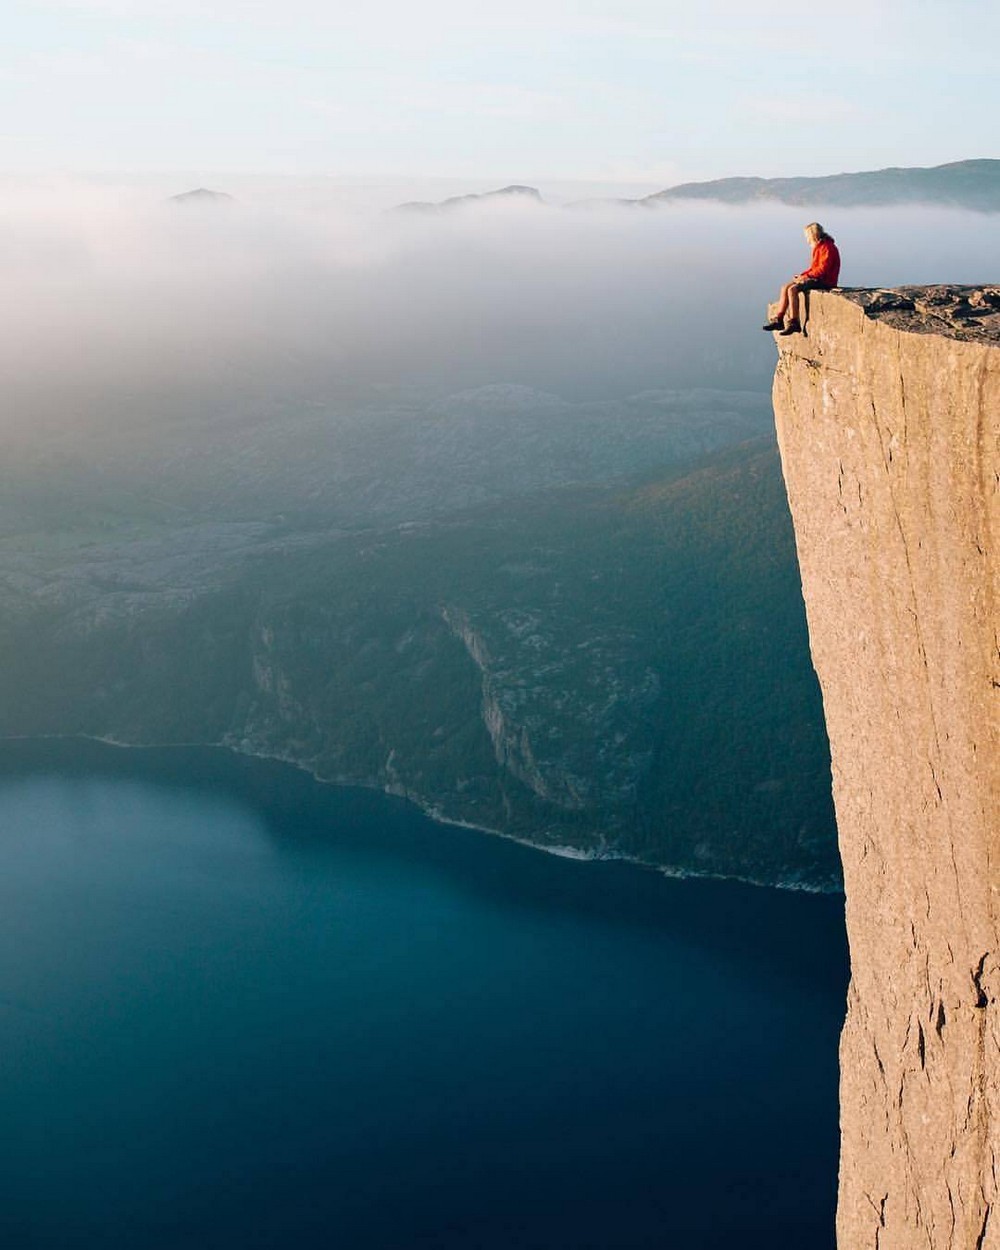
[887, 411]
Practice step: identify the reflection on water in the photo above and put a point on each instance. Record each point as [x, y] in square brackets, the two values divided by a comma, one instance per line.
[243, 1010]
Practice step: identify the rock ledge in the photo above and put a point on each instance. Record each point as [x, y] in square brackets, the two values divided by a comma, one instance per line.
[968, 313]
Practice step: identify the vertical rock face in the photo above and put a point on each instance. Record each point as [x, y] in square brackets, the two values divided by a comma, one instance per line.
[887, 414]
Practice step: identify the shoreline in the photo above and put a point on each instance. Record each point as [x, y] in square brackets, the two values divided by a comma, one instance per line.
[434, 813]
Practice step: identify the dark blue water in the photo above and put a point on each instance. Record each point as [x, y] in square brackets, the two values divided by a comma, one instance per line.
[242, 1010]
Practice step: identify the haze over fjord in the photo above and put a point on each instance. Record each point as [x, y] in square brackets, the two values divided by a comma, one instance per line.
[120, 306]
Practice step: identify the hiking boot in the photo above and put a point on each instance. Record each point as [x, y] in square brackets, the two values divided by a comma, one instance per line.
[793, 327]
[773, 325]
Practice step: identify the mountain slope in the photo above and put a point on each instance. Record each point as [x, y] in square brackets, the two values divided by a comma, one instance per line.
[961, 184]
[618, 671]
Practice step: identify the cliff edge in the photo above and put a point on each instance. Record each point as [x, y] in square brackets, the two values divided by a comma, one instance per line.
[887, 413]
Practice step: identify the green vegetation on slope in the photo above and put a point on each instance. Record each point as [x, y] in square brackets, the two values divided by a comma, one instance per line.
[624, 671]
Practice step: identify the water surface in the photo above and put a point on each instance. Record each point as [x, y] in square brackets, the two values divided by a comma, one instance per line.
[243, 1010]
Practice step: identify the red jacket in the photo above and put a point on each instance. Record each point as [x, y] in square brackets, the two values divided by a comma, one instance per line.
[825, 264]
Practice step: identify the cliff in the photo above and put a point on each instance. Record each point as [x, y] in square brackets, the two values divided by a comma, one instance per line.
[887, 417]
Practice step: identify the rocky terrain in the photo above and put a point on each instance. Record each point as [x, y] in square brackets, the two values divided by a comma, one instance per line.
[391, 456]
[887, 412]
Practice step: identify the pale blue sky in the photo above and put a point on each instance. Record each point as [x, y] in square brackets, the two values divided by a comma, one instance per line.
[631, 91]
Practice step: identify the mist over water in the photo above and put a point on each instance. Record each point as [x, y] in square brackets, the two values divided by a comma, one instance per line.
[120, 308]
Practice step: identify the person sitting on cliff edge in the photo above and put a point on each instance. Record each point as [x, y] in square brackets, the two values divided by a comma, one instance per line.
[822, 275]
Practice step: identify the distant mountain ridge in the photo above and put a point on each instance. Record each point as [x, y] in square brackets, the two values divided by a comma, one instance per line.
[202, 195]
[971, 184]
[513, 192]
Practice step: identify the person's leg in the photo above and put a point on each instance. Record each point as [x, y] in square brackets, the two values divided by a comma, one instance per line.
[792, 324]
[783, 301]
[777, 320]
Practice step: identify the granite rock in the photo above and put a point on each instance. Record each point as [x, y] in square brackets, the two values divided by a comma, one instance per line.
[887, 414]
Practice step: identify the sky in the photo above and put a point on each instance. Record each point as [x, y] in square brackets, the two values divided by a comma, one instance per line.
[640, 92]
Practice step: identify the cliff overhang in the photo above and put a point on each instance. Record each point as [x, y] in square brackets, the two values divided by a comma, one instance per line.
[887, 410]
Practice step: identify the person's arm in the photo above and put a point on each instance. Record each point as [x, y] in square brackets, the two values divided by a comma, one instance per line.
[818, 264]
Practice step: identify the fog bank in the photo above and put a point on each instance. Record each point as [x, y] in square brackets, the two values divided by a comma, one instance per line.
[119, 307]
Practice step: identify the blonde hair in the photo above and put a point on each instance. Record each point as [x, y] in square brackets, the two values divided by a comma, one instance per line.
[815, 232]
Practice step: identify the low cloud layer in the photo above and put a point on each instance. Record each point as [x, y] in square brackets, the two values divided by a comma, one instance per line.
[121, 308]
